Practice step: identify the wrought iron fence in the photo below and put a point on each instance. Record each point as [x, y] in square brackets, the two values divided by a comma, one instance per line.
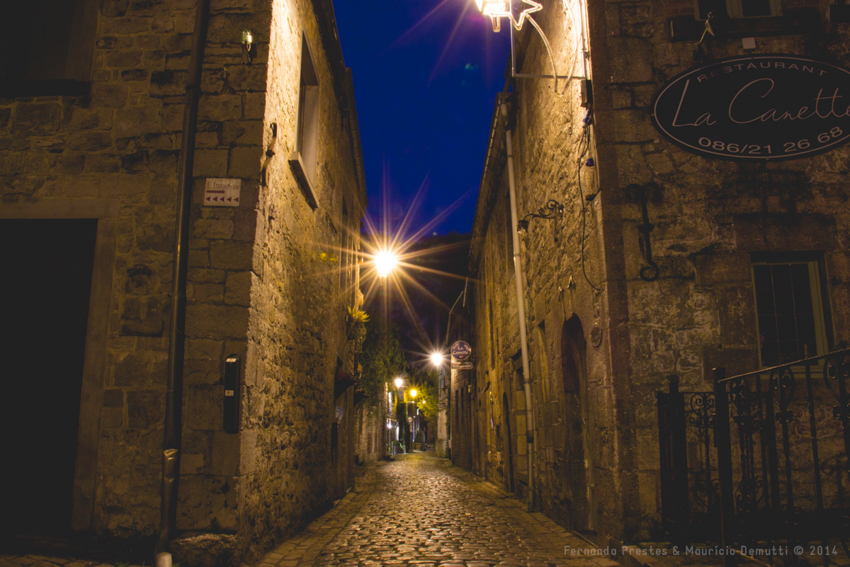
[761, 458]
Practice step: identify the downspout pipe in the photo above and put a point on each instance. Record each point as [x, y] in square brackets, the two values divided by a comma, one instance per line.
[520, 297]
[172, 438]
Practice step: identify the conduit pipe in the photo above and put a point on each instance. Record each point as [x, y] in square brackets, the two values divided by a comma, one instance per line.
[520, 299]
[172, 438]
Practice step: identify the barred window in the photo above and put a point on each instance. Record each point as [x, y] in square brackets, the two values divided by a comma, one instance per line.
[790, 310]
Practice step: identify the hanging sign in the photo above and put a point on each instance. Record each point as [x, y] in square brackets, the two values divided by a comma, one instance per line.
[461, 350]
[757, 108]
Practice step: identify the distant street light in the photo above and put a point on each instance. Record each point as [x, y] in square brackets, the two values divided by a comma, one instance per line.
[413, 392]
[385, 261]
[398, 383]
[436, 358]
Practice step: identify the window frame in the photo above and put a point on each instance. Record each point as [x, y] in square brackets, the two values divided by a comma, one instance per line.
[819, 296]
[304, 158]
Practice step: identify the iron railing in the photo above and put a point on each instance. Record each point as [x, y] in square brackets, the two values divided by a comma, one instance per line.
[762, 458]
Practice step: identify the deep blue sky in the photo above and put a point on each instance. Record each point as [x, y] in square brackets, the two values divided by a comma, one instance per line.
[425, 87]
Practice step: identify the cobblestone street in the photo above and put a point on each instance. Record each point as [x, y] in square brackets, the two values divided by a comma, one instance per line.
[420, 510]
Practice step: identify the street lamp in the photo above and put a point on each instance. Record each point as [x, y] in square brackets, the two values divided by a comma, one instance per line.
[398, 383]
[436, 358]
[498, 9]
[385, 261]
[413, 392]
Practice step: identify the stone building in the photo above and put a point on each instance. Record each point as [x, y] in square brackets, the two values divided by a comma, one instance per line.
[92, 100]
[649, 271]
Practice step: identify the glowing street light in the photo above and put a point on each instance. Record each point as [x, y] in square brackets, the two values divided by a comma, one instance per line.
[498, 9]
[385, 262]
[413, 392]
[398, 382]
[436, 358]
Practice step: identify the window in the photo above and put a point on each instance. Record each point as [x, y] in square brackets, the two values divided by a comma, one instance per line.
[791, 315]
[737, 8]
[46, 47]
[304, 159]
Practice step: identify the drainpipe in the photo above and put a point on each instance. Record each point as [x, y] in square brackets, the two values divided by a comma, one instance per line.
[520, 299]
[171, 444]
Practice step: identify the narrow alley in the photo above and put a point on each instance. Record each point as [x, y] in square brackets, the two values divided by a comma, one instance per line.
[421, 510]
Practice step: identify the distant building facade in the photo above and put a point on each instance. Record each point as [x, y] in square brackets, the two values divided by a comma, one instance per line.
[91, 115]
[668, 257]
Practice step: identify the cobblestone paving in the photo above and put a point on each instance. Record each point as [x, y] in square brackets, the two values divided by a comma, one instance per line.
[420, 510]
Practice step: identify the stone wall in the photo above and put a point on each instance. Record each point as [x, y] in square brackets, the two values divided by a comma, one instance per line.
[601, 339]
[268, 281]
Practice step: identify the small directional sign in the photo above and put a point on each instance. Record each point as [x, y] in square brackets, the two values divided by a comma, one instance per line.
[463, 366]
[220, 192]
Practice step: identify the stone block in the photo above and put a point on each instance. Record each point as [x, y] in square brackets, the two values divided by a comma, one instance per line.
[124, 25]
[242, 133]
[231, 255]
[112, 417]
[136, 121]
[168, 83]
[155, 237]
[36, 118]
[244, 222]
[205, 550]
[102, 163]
[191, 463]
[225, 456]
[205, 292]
[162, 24]
[633, 63]
[145, 408]
[210, 163]
[204, 407]
[123, 58]
[111, 95]
[737, 311]
[718, 269]
[220, 108]
[137, 370]
[245, 162]
[213, 228]
[216, 321]
[206, 275]
[255, 106]
[238, 288]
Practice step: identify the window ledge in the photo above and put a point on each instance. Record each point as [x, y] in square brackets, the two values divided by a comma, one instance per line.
[296, 162]
[685, 28]
[52, 87]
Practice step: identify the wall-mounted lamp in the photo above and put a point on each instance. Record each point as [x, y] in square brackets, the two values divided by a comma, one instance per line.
[555, 209]
[498, 9]
[247, 46]
[641, 193]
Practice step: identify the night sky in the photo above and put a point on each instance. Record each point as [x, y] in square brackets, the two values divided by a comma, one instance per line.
[426, 74]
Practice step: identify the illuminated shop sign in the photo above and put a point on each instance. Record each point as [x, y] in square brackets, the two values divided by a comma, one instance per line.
[758, 108]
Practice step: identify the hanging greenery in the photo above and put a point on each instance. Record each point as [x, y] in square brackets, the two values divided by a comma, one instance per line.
[382, 360]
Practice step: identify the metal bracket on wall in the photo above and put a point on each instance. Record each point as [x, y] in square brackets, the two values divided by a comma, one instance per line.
[637, 192]
[269, 155]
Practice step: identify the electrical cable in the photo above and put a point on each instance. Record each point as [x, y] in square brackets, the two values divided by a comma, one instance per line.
[585, 137]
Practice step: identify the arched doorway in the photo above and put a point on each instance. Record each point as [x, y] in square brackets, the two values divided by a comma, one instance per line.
[577, 464]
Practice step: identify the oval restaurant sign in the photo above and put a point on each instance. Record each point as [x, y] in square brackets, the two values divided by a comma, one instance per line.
[756, 108]
[461, 350]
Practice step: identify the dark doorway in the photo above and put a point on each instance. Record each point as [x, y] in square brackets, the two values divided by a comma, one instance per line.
[509, 453]
[44, 303]
[577, 468]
